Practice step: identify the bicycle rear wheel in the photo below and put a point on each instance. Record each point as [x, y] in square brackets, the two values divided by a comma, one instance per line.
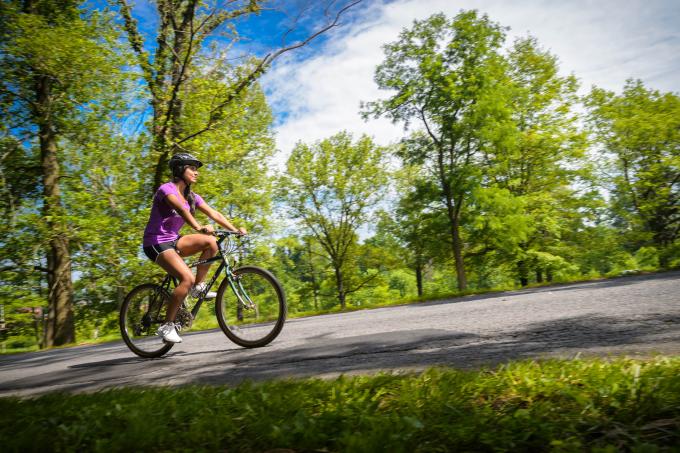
[142, 312]
[251, 311]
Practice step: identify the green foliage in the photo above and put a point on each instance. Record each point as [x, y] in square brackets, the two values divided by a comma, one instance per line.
[500, 165]
[499, 147]
[81, 55]
[560, 405]
[639, 130]
[305, 272]
[61, 77]
[543, 163]
[331, 187]
[412, 232]
[235, 179]
[647, 258]
[445, 74]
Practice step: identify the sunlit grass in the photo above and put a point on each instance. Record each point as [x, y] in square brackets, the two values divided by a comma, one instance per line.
[556, 405]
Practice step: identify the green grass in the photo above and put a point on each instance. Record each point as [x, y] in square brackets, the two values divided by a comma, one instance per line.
[579, 405]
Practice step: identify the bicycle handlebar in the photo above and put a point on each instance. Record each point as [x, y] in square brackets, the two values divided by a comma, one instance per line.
[226, 233]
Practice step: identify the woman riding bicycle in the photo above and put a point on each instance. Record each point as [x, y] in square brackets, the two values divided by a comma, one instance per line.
[174, 204]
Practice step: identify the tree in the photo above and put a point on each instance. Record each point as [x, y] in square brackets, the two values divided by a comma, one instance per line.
[303, 267]
[57, 68]
[445, 74]
[331, 187]
[414, 229]
[539, 166]
[235, 176]
[183, 29]
[640, 130]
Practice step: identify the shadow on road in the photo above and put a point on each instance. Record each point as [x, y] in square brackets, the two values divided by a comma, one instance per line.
[42, 358]
[85, 375]
[113, 362]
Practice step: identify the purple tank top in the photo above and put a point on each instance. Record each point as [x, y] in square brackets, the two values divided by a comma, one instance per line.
[164, 221]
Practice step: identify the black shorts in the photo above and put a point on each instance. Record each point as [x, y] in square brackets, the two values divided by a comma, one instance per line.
[152, 251]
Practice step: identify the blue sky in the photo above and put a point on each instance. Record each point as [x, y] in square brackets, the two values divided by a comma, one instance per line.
[315, 92]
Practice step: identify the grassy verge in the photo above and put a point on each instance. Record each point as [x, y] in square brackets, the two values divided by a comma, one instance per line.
[596, 405]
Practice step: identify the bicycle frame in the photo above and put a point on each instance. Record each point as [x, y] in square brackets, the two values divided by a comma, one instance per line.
[222, 256]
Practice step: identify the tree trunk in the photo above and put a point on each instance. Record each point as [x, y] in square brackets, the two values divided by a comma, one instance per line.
[523, 273]
[453, 212]
[549, 275]
[160, 140]
[458, 254]
[162, 151]
[341, 289]
[60, 324]
[419, 278]
[454, 223]
[168, 111]
[539, 276]
[315, 285]
[120, 292]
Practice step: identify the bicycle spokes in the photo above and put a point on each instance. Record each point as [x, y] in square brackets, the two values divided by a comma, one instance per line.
[143, 311]
[250, 307]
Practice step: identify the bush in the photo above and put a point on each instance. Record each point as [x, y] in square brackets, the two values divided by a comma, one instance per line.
[20, 344]
[647, 258]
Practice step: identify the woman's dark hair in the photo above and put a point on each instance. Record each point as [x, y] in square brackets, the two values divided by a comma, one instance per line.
[189, 197]
[188, 194]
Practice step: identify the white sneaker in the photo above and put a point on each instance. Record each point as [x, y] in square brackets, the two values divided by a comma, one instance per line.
[198, 288]
[169, 333]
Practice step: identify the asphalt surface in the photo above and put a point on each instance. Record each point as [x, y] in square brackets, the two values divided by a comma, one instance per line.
[634, 316]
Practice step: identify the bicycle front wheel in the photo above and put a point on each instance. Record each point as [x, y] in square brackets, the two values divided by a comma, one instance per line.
[142, 312]
[251, 308]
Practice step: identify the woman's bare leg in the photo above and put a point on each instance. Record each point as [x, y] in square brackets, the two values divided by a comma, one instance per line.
[193, 243]
[174, 265]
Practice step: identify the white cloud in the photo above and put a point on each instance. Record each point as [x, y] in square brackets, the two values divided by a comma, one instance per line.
[601, 42]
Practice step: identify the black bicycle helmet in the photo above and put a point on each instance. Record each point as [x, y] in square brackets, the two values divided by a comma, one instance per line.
[181, 160]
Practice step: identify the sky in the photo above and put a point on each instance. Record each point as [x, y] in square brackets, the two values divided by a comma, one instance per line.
[315, 92]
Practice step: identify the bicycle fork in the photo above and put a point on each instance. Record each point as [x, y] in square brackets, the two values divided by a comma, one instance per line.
[240, 292]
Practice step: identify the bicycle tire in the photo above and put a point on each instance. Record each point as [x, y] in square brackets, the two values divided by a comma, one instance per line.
[256, 326]
[139, 334]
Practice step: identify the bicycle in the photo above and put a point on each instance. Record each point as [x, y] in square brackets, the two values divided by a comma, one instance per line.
[250, 305]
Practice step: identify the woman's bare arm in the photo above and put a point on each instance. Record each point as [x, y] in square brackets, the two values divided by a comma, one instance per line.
[219, 218]
[174, 202]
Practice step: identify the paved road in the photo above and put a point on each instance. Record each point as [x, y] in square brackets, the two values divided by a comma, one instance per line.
[635, 316]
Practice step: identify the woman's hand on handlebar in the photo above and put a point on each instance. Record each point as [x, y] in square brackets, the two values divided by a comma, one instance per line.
[207, 229]
[239, 232]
